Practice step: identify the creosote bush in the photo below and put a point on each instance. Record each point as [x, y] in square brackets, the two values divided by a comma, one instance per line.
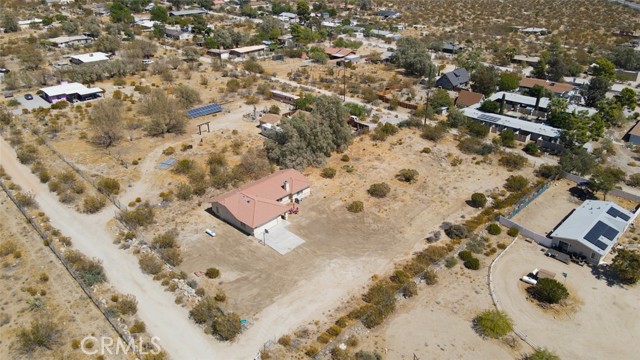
[513, 161]
[150, 264]
[356, 206]
[513, 232]
[42, 333]
[92, 204]
[478, 200]
[212, 273]
[109, 185]
[379, 190]
[493, 323]
[407, 175]
[494, 229]
[328, 173]
[548, 291]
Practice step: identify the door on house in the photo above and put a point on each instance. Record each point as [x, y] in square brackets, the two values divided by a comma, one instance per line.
[564, 247]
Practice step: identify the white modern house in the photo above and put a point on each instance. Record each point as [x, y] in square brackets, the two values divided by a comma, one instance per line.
[88, 58]
[262, 204]
[592, 229]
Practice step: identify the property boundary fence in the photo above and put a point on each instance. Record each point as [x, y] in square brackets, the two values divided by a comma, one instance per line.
[615, 192]
[527, 200]
[540, 239]
[124, 336]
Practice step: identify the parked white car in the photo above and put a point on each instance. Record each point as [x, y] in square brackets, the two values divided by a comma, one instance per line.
[532, 277]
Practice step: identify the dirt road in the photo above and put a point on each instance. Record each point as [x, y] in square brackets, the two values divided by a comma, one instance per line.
[181, 338]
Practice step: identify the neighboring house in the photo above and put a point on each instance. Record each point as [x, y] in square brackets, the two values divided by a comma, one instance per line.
[558, 88]
[262, 204]
[248, 50]
[177, 34]
[26, 23]
[146, 24]
[467, 98]
[451, 48]
[388, 14]
[67, 41]
[219, 53]
[69, 92]
[88, 58]
[634, 134]
[546, 137]
[527, 104]
[380, 33]
[288, 17]
[188, 12]
[62, 2]
[273, 119]
[528, 60]
[592, 229]
[338, 53]
[456, 79]
[284, 97]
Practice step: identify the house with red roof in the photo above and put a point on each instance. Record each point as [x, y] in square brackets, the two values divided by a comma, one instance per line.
[264, 203]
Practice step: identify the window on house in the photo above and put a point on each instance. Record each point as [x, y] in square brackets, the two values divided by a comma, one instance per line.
[593, 255]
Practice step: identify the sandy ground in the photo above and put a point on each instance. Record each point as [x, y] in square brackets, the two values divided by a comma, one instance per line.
[65, 302]
[547, 211]
[607, 321]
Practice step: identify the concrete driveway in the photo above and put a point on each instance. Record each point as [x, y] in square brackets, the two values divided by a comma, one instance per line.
[34, 103]
[281, 239]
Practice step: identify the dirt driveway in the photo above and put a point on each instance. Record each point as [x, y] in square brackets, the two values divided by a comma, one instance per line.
[605, 326]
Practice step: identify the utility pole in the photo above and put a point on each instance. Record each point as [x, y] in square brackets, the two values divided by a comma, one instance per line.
[426, 107]
[344, 80]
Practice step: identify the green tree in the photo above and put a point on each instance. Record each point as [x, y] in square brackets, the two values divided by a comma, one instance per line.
[578, 161]
[540, 69]
[605, 179]
[595, 90]
[625, 57]
[626, 264]
[412, 55]
[440, 98]
[542, 354]
[611, 113]
[478, 200]
[508, 81]
[516, 183]
[9, 21]
[490, 106]
[604, 68]
[493, 323]
[159, 13]
[270, 28]
[303, 10]
[627, 98]
[120, 13]
[108, 43]
[484, 80]
[556, 68]
[548, 291]
[107, 119]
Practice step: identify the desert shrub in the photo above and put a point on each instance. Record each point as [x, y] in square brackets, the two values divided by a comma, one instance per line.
[353, 340]
[400, 277]
[328, 173]
[90, 271]
[342, 321]
[183, 166]
[426, 150]
[513, 161]
[513, 232]
[43, 175]
[476, 244]
[634, 180]
[542, 354]
[127, 305]
[25, 200]
[548, 291]
[478, 200]
[477, 129]
[465, 255]
[253, 66]
[93, 204]
[432, 254]
[457, 231]
[169, 151]
[311, 351]
[450, 262]
[227, 326]
[379, 190]
[381, 133]
[285, 340]
[356, 206]
[472, 264]
[548, 171]
[184, 192]
[531, 149]
[407, 175]
[150, 264]
[203, 311]
[472, 145]
[142, 215]
[430, 277]
[42, 333]
[138, 327]
[220, 296]
[109, 185]
[494, 229]
[434, 132]
[27, 153]
[7, 247]
[367, 355]
[345, 158]
[171, 255]
[493, 323]
[334, 330]
[516, 183]
[212, 273]
[165, 240]
[626, 265]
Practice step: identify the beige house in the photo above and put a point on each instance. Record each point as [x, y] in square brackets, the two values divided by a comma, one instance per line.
[262, 204]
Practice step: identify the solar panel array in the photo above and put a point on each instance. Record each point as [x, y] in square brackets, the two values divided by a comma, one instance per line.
[488, 118]
[166, 164]
[618, 214]
[598, 230]
[204, 110]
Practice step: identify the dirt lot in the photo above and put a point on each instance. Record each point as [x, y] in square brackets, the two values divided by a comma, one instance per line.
[548, 210]
[605, 323]
[342, 250]
[64, 302]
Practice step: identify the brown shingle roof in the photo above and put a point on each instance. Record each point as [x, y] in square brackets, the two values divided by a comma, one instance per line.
[256, 203]
[468, 98]
[270, 119]
[338, 52]
[555, 87]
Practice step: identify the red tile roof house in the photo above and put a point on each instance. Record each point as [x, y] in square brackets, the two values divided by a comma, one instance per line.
[262, 204]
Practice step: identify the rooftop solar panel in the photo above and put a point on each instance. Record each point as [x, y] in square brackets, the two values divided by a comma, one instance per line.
[600, 245]
[489, 118]
[617, 213]
[610, 233]
[596, 231]
[204, 110]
